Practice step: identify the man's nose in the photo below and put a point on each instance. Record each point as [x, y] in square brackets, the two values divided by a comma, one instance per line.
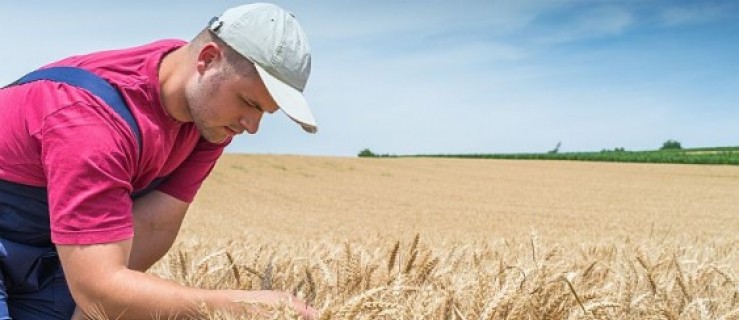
[251, 122]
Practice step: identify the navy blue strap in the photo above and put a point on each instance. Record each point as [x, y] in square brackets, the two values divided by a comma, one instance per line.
[84, 79]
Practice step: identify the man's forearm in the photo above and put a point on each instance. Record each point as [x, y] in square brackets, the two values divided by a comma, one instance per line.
[132, 294]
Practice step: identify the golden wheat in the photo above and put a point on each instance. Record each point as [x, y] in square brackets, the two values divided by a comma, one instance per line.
[502, 280]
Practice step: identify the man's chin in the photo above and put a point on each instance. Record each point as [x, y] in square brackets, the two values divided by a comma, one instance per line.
[216, 139]
[219, 141]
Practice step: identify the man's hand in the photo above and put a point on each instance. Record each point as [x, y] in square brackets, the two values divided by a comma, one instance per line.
[274, 298]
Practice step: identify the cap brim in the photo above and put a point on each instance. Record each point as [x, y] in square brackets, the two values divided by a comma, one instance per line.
[290, 100]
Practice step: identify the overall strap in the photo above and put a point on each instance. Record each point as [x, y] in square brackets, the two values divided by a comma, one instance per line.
[91, 82]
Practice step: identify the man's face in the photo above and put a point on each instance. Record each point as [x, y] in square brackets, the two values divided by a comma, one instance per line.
[223, 103]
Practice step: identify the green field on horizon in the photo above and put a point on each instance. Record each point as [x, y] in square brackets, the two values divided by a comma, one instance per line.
[712, 155]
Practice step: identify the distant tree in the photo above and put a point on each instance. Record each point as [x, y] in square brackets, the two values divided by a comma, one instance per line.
[366, 152]
[671, 145]
[619, 149]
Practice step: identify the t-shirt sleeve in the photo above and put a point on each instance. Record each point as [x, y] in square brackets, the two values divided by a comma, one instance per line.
[183, 183]
[89, 158]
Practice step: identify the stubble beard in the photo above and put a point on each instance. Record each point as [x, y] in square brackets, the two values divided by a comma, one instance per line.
[198, 106]
[211, 134]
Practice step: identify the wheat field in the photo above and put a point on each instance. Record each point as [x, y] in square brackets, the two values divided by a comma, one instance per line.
[466, 239]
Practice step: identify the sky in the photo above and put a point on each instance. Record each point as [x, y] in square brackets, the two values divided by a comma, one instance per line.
[429, 77]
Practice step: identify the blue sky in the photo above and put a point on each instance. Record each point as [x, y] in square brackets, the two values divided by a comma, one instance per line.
[410, 77]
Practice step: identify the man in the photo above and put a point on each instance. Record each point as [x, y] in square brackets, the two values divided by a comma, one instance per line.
[92, 193]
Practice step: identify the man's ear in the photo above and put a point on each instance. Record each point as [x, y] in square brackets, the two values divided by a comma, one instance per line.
[210, 55]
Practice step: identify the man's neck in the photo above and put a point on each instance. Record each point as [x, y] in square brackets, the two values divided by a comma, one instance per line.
[172, 80]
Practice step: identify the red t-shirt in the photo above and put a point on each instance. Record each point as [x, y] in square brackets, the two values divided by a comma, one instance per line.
[65, 139]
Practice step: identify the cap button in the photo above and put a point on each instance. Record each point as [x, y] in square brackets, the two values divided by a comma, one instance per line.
[215, 24]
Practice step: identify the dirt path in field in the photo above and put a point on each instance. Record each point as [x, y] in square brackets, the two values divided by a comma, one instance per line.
[312, 197]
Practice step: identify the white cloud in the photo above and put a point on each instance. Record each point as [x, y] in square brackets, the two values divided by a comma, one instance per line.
[587, 24]
[693, 14]
[362, 22]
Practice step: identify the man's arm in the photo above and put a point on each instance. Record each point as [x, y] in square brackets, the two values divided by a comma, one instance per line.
[100, 282]
[157, 219]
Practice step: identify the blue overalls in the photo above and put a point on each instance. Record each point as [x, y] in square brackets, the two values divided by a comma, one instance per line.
[32, 284]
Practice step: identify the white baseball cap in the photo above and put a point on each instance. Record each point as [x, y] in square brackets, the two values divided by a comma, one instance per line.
[272, 39]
